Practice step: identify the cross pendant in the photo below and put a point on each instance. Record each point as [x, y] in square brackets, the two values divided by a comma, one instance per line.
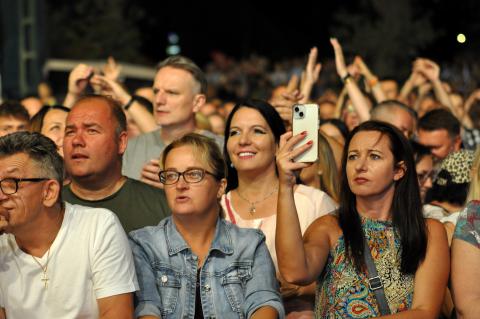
[252, 210]
[45, 279]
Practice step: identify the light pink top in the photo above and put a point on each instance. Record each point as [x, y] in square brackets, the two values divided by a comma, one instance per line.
[311, 203]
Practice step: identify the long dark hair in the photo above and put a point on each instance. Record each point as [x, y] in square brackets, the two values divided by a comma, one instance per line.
[274, 121]
[407, 218]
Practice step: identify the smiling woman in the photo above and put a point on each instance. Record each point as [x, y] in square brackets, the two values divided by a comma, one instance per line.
[195, 263]
[252, 135]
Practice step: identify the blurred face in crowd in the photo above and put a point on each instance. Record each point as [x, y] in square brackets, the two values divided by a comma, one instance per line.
[424, 170]
[327, 110]
[370, 167]
[186, 199]
[91, 144]
[440, 142]
[217, 123]
[251, 143]
[32, 105]
[54, 127]
[177, 97]
[10, 124]
[351, 119]
[390, 88]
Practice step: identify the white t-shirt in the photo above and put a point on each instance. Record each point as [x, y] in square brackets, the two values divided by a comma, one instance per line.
[89, 259]
[311, 203]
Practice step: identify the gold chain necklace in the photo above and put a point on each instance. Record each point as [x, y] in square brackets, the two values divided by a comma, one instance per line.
[44, 268]
[252, 209]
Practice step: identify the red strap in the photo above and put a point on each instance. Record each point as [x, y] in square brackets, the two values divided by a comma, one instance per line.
[229, 211]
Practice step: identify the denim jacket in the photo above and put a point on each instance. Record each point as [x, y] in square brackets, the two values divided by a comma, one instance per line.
[237, 277]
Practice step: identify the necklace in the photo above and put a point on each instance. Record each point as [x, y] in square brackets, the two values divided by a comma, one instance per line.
[44, 268]
[252, 209]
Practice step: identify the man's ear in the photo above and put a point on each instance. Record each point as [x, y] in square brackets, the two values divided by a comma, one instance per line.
[400, 170]
[457, 143]
[198, 101]
[51, 193]
[122, 142]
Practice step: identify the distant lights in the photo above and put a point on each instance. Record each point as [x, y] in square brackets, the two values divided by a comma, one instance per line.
[461, 38]
[173, 47]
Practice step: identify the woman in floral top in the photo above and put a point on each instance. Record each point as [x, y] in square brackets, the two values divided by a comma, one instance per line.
[380, 205]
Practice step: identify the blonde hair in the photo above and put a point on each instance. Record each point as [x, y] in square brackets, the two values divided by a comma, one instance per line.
[329, 181]
[474, 189]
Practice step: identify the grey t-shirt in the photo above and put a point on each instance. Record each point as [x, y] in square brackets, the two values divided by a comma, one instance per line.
[149, 146]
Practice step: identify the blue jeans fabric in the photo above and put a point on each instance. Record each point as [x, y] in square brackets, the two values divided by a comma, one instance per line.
[237, 276]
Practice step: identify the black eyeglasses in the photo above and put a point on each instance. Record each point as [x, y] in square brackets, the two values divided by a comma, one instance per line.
[9, 186]
[191, 176]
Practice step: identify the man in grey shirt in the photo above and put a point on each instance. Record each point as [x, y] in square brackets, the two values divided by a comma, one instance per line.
[180, 91]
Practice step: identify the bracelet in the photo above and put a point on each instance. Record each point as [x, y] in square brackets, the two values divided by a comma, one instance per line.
[346, 78]
[127, 106]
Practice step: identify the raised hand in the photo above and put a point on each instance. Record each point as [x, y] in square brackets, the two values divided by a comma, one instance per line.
[150, 172]
[79, 78]
[285, 155]
[339, 58]
[427, 68]
[112, 69]
[111, 87]
[284, 103]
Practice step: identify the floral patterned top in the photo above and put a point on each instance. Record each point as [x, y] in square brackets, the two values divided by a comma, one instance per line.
[342, 292]
[468, 224]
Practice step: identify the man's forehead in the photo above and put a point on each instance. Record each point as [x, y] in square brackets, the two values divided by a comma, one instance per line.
[14, 163]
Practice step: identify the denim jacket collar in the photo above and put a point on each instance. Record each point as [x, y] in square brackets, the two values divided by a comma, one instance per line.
[222, 240]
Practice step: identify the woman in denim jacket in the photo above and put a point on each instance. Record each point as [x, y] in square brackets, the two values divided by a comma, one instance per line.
[194, 264]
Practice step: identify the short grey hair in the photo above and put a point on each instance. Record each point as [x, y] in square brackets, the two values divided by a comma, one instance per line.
[39, 148]
[184, 63]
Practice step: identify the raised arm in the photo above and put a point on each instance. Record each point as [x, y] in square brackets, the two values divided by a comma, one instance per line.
[310, 75]
[299, 262]
[78, 80]
[431, 277]
[431, 71]
[371, 79]
[141, 116]
[358, 100]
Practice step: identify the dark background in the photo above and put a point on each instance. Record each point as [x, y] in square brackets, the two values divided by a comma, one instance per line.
[388, 34]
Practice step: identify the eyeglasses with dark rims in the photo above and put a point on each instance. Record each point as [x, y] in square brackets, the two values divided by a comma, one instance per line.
[191, 176]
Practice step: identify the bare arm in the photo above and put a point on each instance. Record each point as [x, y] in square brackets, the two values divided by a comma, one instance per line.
[465, 274]
[431, 71]
[141, 116]
[116, 307]
[2, 314]
[266, 312]
[371, 79]
[358, 100]
[77, 83]
[311, 73]
[431, 277]
[299, 262]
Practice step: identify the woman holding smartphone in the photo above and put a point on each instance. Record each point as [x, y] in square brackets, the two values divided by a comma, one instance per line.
[252, 134]
[378, 228]
[194, 264]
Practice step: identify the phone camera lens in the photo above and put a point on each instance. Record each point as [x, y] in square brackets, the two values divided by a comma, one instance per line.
[297, 109]
[301, 114]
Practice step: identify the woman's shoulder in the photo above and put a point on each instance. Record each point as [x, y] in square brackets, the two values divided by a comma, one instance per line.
[239, 233]
[326, 225]
[147, 232]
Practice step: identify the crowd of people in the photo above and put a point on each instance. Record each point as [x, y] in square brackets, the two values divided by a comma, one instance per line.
[176, 201]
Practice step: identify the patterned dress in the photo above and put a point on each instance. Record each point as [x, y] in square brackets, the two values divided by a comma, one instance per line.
[344, 293]
[468, 224]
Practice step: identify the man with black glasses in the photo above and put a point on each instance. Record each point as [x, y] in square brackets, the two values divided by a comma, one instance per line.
[56, 260]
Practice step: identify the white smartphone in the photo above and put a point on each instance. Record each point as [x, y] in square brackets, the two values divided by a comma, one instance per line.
[305, 118]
